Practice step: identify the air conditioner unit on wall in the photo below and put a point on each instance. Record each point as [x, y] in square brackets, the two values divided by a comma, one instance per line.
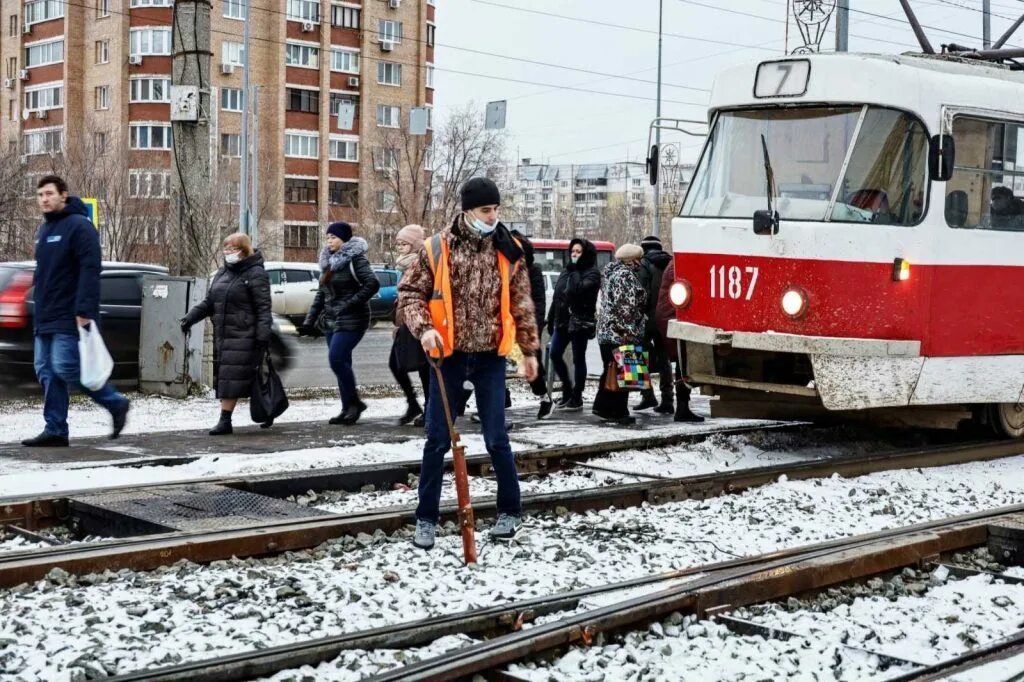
[394, 4]
[227, 69]
[24, 159]
[308, 27]
[27, 28]
[353, 81]
[387, 45]
[41, 114]
[135, 59]
[23, 74]
[9, 83]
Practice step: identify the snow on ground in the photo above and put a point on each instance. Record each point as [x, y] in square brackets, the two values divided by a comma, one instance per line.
[124, 622]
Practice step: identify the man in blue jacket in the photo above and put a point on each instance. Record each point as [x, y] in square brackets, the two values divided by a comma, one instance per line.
[67, 296]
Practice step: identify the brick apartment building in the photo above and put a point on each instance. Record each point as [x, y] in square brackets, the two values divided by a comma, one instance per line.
[98, 72]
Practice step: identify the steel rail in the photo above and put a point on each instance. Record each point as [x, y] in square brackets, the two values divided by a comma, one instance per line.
[1012, 645]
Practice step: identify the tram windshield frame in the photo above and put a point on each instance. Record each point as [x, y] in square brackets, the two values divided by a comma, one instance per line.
[853, 163]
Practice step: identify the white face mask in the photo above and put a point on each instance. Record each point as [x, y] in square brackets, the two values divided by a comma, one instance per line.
[574, 258]
[232, 258]
[479, 225]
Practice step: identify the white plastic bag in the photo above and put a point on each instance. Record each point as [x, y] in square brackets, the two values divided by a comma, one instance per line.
[95, 363]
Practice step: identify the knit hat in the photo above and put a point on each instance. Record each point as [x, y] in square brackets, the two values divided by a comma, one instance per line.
[479, 192]
[412, 234]
[341, 230]
[629, 252]
[651, 243]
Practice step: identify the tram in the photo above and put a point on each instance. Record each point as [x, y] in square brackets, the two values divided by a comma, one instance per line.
[852, 242]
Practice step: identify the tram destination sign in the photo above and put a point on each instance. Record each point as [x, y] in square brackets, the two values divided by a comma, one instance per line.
[785, 78]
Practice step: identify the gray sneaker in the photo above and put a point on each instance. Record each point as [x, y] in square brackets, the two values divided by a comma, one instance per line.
[506, 527]
[425, 531]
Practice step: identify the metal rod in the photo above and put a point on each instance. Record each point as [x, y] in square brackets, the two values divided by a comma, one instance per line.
[986, 23]
[922, 39]
[243, 180]
[254, 205]
[843, 26]
[1009, 33]
[995, 55]
[657, 133]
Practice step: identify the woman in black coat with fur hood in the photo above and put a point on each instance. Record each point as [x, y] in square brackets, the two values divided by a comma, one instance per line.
[238, 303]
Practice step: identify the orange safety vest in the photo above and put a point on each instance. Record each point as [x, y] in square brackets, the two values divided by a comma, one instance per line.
[442, 314]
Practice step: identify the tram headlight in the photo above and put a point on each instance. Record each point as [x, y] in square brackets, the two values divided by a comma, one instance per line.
[679, 293]
[900, 270]
[794, 302]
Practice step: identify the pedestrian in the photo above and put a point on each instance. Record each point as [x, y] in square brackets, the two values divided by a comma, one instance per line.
[467, 298]
[341, 310]
[650, 273]
[538, 292]
[238, 303]
[406, 352]
[623, 321]
[66, 293]
[573, 320]
[665, 312]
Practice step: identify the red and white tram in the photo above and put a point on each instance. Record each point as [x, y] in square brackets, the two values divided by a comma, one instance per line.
[853, 241]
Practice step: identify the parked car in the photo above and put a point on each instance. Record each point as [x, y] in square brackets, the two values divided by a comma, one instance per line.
[382, 305]
[121, 316]
[293, 287]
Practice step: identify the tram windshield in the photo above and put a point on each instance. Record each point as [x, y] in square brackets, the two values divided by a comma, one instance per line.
[821, 172]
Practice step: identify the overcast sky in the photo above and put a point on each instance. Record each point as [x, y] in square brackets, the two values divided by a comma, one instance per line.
[480, 45]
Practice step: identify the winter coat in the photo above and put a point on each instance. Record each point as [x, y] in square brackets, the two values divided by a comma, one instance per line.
[538, 287]
[344, 301]
[665, 311]
[238, 303]
[650, 274]
[623, 309]
[576, 290]
[476, 291]
[67, 274]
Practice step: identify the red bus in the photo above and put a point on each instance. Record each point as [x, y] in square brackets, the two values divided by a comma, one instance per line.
[553, 254]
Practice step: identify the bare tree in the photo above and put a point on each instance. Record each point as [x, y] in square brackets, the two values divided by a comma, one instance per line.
[17, 224]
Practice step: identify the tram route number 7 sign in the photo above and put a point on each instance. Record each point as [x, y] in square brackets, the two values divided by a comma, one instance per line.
[787, 78]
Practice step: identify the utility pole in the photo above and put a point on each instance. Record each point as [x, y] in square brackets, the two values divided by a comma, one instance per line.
[843, 26]
[986, 23]
[191, 138]
[254, 204]
[243, 180]
[657, 130]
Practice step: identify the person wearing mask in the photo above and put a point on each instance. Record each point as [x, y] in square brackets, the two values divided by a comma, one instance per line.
[664, 312]
[650, 274]
[341, 310]
[238, 303]
[467, 298]
[66, 293]
[407, 354]
[572, 320]
[623, 321]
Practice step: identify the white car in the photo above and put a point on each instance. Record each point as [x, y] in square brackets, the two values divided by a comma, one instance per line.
[293, 287]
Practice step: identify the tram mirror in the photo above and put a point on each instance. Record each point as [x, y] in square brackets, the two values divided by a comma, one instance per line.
[652, 164]
[766, 222]
[956, 208]
[941, 153]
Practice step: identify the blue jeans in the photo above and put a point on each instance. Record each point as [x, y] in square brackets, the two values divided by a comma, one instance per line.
[559, 341]
[339, 354]
[486, 371]
[56, 365]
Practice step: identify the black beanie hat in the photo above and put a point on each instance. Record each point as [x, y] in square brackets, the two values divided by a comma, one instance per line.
[479, 192]
[341, 230]
[651, 243]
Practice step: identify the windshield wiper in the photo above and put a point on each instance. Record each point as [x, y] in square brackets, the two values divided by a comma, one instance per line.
[767, 222]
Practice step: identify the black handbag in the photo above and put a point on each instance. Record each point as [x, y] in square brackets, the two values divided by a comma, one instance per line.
[580, 325]
[409, 355]
[267, 400]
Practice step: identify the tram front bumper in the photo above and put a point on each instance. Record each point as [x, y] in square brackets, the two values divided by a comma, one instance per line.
[794, 343]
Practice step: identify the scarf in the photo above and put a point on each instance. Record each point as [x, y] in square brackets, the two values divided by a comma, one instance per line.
[340, 259]
[403, 262]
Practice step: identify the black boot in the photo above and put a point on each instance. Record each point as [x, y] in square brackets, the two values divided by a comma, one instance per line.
[683, 413]
[411, 412]
[46, 440]
[223, 427]
[667, 405]
[647, 400]
[350, 415]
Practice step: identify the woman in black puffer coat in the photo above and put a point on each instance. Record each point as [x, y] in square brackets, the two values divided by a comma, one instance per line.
[341, 310]
[238, 303]
[572, 320]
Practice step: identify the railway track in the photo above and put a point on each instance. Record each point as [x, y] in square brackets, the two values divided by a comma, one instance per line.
[152, 551]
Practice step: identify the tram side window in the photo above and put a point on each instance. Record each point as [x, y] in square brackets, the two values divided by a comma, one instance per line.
[986, 191]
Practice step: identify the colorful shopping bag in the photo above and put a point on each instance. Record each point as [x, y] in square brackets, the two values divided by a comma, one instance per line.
[633, 363]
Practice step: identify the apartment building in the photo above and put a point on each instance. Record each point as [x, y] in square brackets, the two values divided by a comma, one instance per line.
[96, 74]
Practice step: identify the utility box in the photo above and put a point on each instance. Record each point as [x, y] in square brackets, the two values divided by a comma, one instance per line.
[167, 366]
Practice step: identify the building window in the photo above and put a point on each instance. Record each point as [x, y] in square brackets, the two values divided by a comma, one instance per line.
[44, 142]
[99, 143]
[345, 17]
[337, 98]
[304, 10]
[344, 149]
[307, 101]
[388, 29]
[343, 193]
[385, 201]
[389, 116]
[147, 136]
[102, 97]
[231, 145]
[150, 41]
[385, 159]
[231, 99]
[232, 53]
[302, 55]
[12, 29]
[234, 9]
[431, 31]
[46, 53]
[102, 51]
[43, 10]
[44, 98]
[149, 184]
[300, 191]
[302, 145]
[102, 9]
[150, 90]
[345, 61]
[430, 75]
[12, 67]
[301, 236]
[150, 3]
[389, 73]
